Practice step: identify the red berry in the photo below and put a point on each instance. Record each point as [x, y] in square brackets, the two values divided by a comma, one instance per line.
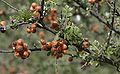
[37, 7]
[28, 30]
[33, 5]
[70, 59]
[34, 25]
[49, 44]
[43, 42]
[42, 35]
[3, 23]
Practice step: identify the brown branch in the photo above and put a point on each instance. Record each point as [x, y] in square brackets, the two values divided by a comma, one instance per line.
[12, 51]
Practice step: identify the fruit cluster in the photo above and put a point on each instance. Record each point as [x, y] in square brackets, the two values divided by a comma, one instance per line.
[52, 18]
[35, 9]
[57, 47]
[21, 49]
[32, 28]
[3, 24]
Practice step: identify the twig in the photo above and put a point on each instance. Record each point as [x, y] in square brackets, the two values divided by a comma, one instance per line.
[10, 5]
[98, 17]
[42, 9]
[12, 51]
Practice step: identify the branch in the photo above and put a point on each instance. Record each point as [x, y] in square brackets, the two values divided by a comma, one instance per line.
[10, 5]
[42, 9]
[98, 17]
[12, 51]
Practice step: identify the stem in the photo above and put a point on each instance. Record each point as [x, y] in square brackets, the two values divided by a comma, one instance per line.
[10, 5]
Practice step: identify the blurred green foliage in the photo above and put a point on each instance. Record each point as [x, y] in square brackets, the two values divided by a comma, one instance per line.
[39, 62]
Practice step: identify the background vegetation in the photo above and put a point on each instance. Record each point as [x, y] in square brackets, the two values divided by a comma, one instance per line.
[39, 62]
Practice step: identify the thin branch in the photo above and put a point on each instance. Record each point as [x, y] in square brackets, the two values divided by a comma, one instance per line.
[98, 17]
[42, 9]
[12, 51]
[10, 5]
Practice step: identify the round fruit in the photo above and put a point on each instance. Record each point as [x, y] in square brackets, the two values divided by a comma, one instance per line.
[65, 51]
[54, 25]
[53, 11]
[32, 9]
[26, 53]
[28, 30]
[33, 5]
[43, 47]
[37, 7]
[92, 1]
[85, 44]
[42, 35]
[20, 42]
[70, 59]
[34, 25]
[49, 44]
[3, 23]
[19, 48]
[25, 46]
[53, 49]
[36, 14]
[64, 47]
[43, 42]
[33, 30]
[17, 54]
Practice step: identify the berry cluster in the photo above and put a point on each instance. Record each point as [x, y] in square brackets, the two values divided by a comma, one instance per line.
[3, 24]
[57, 47]
[52, 18]
[32, 28]
[21, 49]
[35, 9]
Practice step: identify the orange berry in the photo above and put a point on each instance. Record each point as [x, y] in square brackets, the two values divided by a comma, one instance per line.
[53, 11]
[70, 59]
[54, 25]
[3, 23]
[65, 51]
[19, 48]
[34, 25]
[85, 44]
[16, 54]
[49, 44]
[20, 42]
[28, 30]
[91, 1]
[26, 53]
[53, 49]
[33, 5]
[43, 47]
[42, 35]
[37, 7]
[32, 9]
[25, 46]
[36, 14]
[33, 30]
[64, 47]
[43, 42]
